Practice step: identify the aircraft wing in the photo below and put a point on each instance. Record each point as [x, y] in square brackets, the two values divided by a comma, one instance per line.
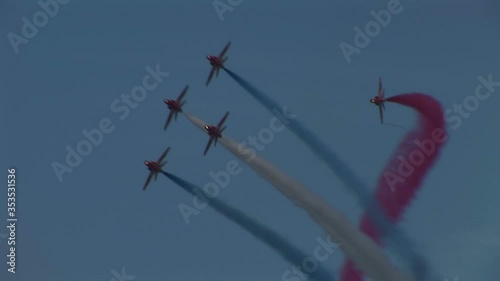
[148, 180]
[381, 114]
[221, 55]
[208, 145]
[222, 120]
[380, 90]
[163, 155]
[168, 119]
[210, 75]
[179, 99]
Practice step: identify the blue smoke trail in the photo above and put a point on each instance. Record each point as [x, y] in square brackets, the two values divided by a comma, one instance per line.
[258, 230]
[400, 240]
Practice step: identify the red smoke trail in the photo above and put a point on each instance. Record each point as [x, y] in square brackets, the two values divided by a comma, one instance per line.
[349, 177]
[403, 175]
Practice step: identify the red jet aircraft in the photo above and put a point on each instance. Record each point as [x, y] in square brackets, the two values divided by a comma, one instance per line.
[379, 100]
[175, 106]
[215, 132]
[217, 62]
[155, 167]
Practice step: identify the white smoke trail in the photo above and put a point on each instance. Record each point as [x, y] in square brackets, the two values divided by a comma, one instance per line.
[356, 246]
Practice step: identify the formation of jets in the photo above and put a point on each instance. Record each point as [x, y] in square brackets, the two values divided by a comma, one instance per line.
[175, 106]
[215, 132]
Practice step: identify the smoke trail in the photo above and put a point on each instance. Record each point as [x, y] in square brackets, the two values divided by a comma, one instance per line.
[356, 246]
[407, 168]
[399, 241]
[258, 230]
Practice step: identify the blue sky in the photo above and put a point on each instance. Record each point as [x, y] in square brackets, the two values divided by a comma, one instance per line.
[98, 219]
